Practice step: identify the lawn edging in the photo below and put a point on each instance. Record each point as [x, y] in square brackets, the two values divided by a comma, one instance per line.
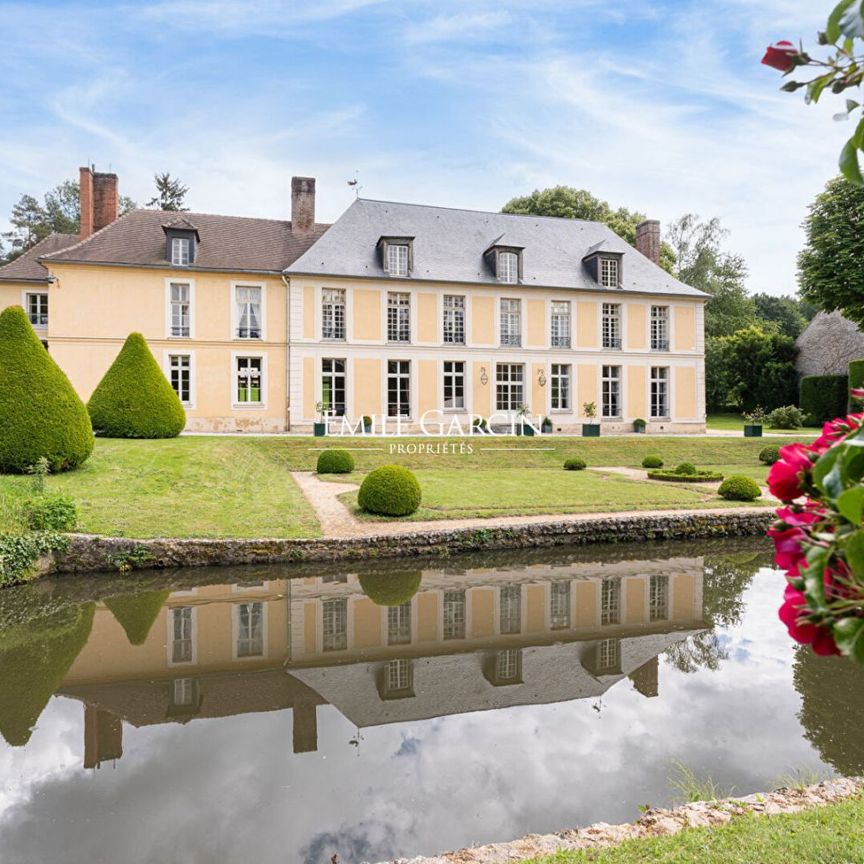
[89, 554]
[653, 823]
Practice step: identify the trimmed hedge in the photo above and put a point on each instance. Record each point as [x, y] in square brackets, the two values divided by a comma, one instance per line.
[652, 461]
[575, 463]
[134, 398]
[856, 381]
[695, 477]
[739, 488]
[390, 589]
[824, 397]
[335, 462]
[390, 490]
[135, 613]
[41, 415]
[770, 454]
[686, 468]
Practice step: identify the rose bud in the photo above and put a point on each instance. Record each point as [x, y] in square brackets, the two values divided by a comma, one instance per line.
[781, 56]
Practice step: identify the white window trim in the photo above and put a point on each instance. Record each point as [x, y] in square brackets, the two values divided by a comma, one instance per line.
[413, 366]
[191, 284]
[235, 629]
[465, 382]
[570, 387]
[188, 242]
[169, 640]
[25, 294]
[234, 320]
[499, 318]
[167, 353]
[349, 625]
[232, 372]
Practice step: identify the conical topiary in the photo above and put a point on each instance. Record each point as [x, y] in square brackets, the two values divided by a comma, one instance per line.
[40, 413]
[135, 613]
[134, 398]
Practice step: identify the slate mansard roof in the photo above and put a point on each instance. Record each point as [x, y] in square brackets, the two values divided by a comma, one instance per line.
[26, 267]
[231, 243]
[449, 246]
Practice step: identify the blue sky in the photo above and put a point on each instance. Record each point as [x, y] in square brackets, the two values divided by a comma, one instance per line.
[658, 105]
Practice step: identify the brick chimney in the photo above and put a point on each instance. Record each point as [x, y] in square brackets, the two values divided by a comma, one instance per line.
[648, 239]
[97, 199]
[302, 204]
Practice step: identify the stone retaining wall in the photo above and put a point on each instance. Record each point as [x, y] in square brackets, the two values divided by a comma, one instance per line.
[87, 553]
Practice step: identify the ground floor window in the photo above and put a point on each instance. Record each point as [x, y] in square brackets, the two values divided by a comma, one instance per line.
[335, 624]
[454, 384]
[658, 598]
[560, 381]
[454, 614]
[180, 374]
[611, 391]
[610, 601]
[180, 626]
[248, 379]
[559, 605]
[37, 309]
[333, 386]
[509, 386]
[659, 391]
[399, 624]
[511, 609]
[250, 630]
[398, 388]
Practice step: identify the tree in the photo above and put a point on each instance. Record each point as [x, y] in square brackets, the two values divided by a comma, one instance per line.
[784, 312]
[569, 203]
[831, 265]
[29, 226]
[170, 193]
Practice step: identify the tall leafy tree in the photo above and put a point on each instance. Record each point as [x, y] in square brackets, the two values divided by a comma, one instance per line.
[787, 314]
[569, 203]
[170, 193]
[831, 265]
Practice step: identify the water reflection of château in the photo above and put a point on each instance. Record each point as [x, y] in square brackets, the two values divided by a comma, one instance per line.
[467, 640]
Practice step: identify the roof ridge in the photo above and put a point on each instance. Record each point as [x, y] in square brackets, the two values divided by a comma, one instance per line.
[32, 249]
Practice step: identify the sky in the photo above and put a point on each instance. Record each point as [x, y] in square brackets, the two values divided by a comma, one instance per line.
[661, 106]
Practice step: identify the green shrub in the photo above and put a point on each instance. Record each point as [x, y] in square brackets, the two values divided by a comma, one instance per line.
[55, 512]
[135, 613]
[695, 477]
[390, 490]
[856, 381]
[788, 417]
[134, 398]
[41, 415]
[390, 589]
[686, 468]
[652, 461]
[739, 488]
[335, 462]
[574, 463]
[770, 454]
[824, 397]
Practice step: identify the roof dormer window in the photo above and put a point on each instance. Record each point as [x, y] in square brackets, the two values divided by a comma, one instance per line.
[397, 255]
[180, 249]
[604, 266]
[505, 262]
[508, 267]
[181, 241]
[610, 272]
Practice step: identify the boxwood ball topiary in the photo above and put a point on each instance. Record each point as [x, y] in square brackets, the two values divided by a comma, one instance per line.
[686, 468]
[739, 488]
[770, 454]
[390, 491]
[40, 413]
[652, 462]
[134, 398]
[574, 463]
[390, 589]
[335, 462]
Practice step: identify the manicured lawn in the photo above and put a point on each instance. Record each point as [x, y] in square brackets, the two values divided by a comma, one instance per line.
[182, 487]
[735, 423]
[823, 835]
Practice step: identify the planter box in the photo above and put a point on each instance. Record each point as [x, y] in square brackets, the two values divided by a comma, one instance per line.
[527, 431]
[590, 430]
[320, 429]
[639, 430]
[752, 430]
[546, 428]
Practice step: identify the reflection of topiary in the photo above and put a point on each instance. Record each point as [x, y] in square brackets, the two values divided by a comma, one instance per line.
[390, 589]
[390, 491]
[134, 398]
[35, 659]
[574, 463]
[652, 462]
[739, 488]
[335, 462]
[686, 468]
[135, 613]
[770, 454]
[41, 416]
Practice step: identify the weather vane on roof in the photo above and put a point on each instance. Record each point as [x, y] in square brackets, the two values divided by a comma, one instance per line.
[355, 184]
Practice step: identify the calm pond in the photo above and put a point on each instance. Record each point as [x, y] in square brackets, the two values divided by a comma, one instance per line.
[239, 715]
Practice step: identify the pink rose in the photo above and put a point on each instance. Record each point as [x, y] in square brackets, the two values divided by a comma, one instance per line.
[780, 56]
[793, 614]
[787, 475]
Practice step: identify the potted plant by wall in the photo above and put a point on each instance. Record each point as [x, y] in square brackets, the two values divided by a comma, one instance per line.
[522, 426]
[367, 423]
[320, 425]
[546, 426]
[590, 429]
[479, 426]
[753, 426]
[639, 425]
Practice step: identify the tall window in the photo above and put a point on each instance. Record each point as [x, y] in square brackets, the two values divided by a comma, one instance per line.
[511, 321]
[335, 624]
[454, 319]
[454, 384]
[180, 631]
[398, 316]
[611, 391]
[560, 330]
[181, 309]
[454, 614]
[180, 247]
[249, 380]
[610, 601]
[333, 386]
[658, 598]
[37, 309]
[248, 300]
[398, 388]
[399, 624]
[659, 392]
[508, 267]
[609, 272]
[612, 325]
[510, 599]
[560, 386]
[559, 605]
[509, 386]
[250, 629]
[659, 328]
[397, 259]
[333, 313]
[180, 374]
